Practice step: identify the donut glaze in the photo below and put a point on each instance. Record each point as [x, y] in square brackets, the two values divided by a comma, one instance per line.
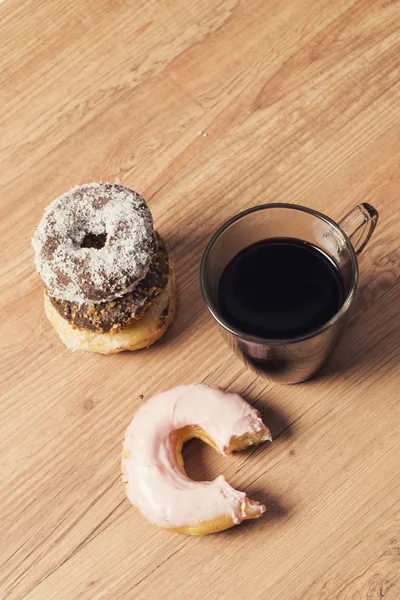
[74, 272]
[156, 482]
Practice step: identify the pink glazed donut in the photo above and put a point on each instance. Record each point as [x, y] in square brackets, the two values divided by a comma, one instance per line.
[152, 464]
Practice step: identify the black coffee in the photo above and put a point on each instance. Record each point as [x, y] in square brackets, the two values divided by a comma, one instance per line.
[279, 288]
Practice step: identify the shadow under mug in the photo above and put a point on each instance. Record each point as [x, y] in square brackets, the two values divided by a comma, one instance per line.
[296, 359]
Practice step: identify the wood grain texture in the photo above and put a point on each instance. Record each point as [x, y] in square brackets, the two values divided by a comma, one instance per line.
[300, 102]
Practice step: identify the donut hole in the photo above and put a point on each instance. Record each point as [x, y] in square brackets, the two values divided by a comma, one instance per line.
[93, 240]
[201, 462]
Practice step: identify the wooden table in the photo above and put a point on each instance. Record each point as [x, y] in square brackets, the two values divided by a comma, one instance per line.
[205, 108]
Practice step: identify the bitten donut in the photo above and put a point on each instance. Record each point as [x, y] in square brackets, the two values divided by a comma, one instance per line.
[109, 283]
[152, 464]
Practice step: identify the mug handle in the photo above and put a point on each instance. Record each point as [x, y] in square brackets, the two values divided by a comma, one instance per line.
[359, 224]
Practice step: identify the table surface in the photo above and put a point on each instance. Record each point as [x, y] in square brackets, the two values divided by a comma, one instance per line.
[205, 108]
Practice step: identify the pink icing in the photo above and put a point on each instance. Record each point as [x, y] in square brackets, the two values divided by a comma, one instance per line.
[154, 481]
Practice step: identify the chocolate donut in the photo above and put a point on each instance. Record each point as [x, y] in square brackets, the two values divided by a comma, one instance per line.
[94, 243]
[115, 314]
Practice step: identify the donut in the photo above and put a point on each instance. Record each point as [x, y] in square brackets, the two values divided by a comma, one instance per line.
[136, 336]
[109, 283]
[152, 464]
[123, 311]
[94, 243]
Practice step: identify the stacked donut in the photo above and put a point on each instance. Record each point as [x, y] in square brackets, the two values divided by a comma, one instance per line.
[109, 284]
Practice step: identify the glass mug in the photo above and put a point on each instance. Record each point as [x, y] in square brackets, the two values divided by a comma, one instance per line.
[295, 359]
